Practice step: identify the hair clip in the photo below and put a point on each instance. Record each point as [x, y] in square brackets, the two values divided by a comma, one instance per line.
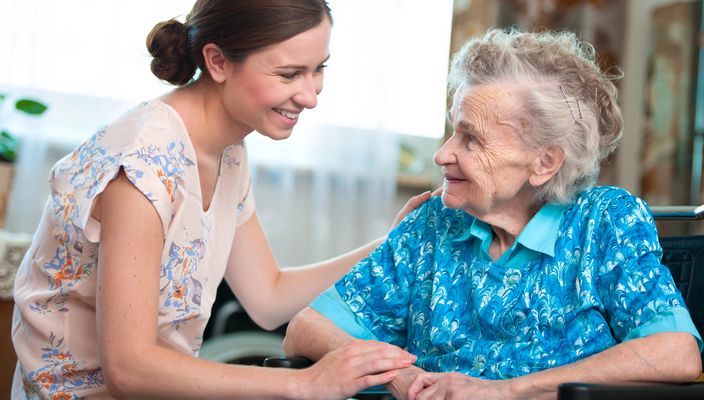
[570, 107]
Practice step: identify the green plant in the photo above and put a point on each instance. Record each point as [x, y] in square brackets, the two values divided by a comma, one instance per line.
[8, 141]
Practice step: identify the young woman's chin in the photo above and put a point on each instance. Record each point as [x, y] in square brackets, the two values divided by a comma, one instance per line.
[276, 134]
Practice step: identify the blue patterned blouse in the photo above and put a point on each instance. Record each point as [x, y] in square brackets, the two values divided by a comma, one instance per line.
[578, 280]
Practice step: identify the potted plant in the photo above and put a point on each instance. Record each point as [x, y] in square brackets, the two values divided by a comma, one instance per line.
[9, 144]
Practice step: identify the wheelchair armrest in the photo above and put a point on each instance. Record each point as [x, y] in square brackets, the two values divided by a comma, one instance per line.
[288, 362]
[645, 391]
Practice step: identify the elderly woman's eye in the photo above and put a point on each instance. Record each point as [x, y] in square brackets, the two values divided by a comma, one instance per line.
[470, 138]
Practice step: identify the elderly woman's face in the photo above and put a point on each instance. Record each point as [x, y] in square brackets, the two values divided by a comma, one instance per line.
[485, 163]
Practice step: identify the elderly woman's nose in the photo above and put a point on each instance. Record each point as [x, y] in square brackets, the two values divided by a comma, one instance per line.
[444, 155]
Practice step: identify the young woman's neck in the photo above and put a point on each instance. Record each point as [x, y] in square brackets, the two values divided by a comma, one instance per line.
[209, 125]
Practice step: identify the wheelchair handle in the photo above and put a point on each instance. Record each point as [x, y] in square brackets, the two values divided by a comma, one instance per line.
[678, 212]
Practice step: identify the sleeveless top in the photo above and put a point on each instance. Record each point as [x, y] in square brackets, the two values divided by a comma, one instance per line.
[54, 324]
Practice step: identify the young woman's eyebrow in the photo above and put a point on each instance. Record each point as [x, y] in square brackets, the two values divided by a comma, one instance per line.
[294, 66]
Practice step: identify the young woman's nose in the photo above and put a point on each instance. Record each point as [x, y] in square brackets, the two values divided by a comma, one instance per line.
[307, 95]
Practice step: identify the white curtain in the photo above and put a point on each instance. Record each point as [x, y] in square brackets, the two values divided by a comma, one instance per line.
[325, 191]
[329, 188]
[69, 120]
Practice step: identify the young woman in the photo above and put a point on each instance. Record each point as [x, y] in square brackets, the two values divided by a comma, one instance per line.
[148, 215]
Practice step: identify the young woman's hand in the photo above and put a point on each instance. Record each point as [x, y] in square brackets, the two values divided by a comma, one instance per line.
[413, 203]
[353, 367]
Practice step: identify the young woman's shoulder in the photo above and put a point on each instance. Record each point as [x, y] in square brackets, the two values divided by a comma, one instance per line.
[148, 143]
[148, 123]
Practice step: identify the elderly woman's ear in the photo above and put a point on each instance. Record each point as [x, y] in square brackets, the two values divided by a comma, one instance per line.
[546, 164]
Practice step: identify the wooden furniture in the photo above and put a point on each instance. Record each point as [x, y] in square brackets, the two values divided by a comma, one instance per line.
[12, 250]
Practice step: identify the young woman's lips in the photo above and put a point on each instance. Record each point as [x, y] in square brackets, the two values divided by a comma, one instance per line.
[289, 118]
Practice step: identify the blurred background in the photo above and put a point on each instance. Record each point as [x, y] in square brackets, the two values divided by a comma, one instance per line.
[353, 161]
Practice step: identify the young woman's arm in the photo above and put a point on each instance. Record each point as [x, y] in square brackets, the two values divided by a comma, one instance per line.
[273, 296]
[134, 363]
[312, 335]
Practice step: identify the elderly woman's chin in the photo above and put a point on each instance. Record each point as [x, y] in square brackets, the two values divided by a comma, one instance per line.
[455, 201]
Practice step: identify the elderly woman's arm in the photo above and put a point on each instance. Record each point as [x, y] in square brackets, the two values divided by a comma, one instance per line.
[312, 335]
[662, 357]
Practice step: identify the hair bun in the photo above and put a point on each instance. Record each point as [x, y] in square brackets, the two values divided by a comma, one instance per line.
[168, 44]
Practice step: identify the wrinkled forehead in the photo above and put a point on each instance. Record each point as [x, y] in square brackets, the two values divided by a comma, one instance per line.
[488, 101]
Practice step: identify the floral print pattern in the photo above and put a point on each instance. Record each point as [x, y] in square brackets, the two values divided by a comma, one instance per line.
[55, 287]
[426, 290]
[88, 165]
[61, 373]
[182, 292]
[168, 165]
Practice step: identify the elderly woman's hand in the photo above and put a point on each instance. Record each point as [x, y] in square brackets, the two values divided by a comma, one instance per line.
[456, 386]
[402, 387]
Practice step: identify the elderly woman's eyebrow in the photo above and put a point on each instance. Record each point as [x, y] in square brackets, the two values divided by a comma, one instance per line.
[467, 126]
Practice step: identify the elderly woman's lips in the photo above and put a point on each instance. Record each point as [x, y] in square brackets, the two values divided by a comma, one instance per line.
[451, 181]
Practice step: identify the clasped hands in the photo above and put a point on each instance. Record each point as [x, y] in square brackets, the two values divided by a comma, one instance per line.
[413, 383]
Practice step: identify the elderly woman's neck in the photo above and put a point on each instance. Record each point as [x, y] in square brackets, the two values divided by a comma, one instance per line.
[507, 226]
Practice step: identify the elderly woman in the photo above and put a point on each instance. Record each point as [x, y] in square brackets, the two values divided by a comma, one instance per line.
[524, 275]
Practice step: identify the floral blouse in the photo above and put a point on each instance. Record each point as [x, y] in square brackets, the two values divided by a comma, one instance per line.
[579, 279]
[54, 325]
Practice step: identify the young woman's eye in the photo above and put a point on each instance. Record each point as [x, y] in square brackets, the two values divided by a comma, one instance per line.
[289, 76]
[321, 67]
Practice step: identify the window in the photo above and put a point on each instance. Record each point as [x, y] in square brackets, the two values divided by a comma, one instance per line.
[387, 71]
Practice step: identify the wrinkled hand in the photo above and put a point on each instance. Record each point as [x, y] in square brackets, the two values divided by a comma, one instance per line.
[456, 386]
[403, 382]
[355, 366]
[413, 203]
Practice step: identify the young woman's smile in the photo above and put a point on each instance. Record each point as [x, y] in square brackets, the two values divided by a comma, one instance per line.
[269, 90]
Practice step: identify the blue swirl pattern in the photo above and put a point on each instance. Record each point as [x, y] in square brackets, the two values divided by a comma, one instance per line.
[427, 290]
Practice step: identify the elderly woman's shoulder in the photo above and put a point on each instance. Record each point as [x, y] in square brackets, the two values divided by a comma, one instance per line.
[432, 218]
[604, 194]
[611, 200]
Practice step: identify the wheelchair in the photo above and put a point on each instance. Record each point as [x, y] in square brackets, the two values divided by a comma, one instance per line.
[231, 337]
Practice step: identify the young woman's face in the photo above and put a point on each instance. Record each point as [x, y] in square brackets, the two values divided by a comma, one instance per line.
[485, 163]
[268, 90]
